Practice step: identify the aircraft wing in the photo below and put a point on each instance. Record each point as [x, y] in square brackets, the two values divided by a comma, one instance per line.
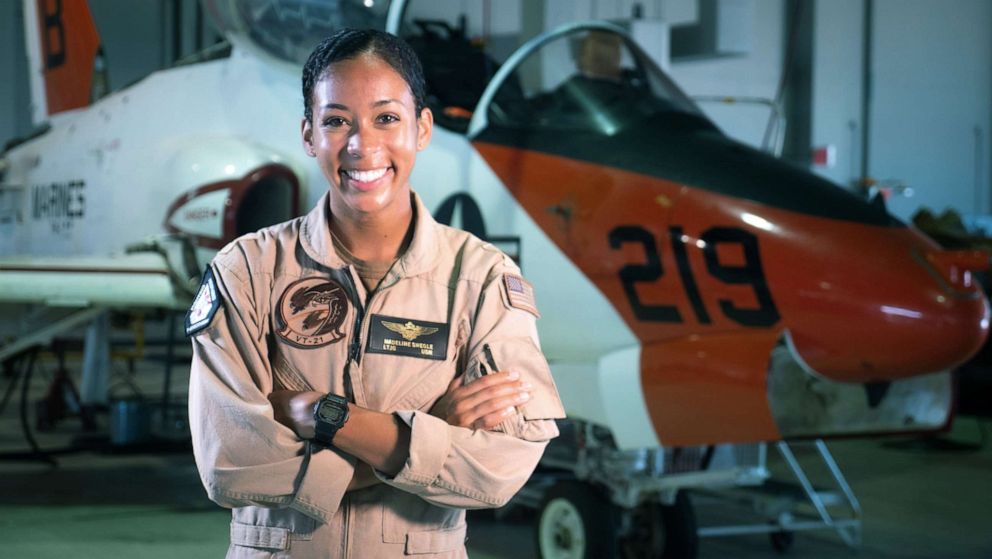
[142, 279]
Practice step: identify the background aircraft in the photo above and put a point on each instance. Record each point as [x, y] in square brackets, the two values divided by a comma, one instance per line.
[695, 291]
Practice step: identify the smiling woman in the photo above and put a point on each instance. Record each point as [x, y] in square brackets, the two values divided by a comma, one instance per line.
[365, 133]
[362, 374]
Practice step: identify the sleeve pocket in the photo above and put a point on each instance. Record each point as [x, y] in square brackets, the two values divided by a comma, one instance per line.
[535, 420]
[264, 537]
[435, 541]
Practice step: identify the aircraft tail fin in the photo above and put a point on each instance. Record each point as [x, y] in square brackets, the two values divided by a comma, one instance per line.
[63, 51]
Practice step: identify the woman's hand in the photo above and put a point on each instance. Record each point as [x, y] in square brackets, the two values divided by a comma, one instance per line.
[484, 403]
[295, 410]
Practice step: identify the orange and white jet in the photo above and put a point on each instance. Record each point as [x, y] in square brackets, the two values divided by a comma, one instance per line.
[695, 291]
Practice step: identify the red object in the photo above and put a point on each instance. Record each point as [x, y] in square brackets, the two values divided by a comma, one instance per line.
[863, 303]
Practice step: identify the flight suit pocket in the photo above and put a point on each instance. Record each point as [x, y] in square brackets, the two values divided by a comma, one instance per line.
[270, 529]
[430, 386]
[420, 526]
[261, 537]
[534, 420]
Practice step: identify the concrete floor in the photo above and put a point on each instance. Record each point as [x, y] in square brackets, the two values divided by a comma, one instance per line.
[917, 502]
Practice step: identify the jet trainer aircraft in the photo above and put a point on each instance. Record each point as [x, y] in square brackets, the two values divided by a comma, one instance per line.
[695, 291]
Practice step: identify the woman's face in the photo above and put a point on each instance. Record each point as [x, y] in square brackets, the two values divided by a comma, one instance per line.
[365, 135]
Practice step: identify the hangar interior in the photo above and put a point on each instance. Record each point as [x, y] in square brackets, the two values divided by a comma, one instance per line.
[887, 97]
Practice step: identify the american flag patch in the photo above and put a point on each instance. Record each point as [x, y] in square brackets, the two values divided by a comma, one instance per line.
[520, 294]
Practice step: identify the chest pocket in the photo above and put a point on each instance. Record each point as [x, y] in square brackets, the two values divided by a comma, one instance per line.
[394, 381]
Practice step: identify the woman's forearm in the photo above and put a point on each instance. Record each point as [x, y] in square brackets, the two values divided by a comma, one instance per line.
[379, 439]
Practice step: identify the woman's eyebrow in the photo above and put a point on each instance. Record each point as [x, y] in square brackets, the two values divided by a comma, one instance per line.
[341, 107]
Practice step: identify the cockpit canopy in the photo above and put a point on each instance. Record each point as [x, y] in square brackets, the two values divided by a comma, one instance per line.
[287, 30]
[588, 80]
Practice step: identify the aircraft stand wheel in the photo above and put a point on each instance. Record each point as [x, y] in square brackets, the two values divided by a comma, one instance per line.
[662, 531]
[782, 541]
[576, 521]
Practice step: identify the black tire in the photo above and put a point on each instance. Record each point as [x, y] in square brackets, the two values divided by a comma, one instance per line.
[782, 541]
[663, 531]
[576, 521]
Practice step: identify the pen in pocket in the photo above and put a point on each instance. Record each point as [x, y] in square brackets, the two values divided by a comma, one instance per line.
[489, 359]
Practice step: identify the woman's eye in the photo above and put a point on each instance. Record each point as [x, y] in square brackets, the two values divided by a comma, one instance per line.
[387, 118]
[334, 121]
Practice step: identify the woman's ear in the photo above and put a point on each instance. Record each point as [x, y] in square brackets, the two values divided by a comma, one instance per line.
[306, 130]
[425, 127]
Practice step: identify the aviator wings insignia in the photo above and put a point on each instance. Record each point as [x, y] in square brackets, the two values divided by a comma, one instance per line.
[409, 331]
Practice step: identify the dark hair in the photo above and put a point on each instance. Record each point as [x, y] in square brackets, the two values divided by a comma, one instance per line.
[347, 44]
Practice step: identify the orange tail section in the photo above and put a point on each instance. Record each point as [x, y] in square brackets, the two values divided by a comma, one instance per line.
[68, 43]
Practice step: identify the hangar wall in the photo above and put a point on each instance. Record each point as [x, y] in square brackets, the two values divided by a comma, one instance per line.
[15, 113]
[931, 103]
[135, 43]
[137, 40]
[755, 74]
[929, 99]
[838, 33]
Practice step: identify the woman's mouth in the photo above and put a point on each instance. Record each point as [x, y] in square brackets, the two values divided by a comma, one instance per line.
[365, 179]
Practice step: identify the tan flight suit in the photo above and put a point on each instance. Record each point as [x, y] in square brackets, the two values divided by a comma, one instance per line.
[293, 316]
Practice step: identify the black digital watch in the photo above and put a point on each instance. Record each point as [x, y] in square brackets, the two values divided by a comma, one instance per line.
[329, 414]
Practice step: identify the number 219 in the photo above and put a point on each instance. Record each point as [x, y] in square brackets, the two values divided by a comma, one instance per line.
[750, 273]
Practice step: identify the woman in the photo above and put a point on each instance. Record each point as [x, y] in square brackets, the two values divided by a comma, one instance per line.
[362, 374]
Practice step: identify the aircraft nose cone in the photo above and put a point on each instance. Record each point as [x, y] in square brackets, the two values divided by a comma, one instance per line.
[895, 340]
[903, 308]
[946, 333]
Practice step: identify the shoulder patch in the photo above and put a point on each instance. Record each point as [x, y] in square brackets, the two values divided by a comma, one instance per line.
[204, 306]
[311, 312]
[520, 294]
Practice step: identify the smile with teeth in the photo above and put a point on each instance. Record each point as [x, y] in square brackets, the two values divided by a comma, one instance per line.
[365, 176]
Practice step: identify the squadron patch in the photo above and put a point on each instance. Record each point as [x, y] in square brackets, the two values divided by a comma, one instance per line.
[405, 336]
[204, 306]
[311, 311]
[520, 294]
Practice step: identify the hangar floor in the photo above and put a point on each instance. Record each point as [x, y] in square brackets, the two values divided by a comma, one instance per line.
[918, 503]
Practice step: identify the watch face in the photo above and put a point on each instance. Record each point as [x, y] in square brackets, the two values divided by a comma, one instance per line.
[330, 413]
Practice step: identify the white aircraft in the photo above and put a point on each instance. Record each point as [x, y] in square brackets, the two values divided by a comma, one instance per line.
[695, 292]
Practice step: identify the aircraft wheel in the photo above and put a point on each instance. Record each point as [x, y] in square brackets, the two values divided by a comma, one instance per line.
[663, 531]
[576, 521]
[782, 541]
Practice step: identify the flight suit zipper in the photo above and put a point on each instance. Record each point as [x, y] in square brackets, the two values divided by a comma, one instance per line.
[346, 504]
[358, 327]
[355, 347]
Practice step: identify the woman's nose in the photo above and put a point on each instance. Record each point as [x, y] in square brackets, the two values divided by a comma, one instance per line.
[361, 142]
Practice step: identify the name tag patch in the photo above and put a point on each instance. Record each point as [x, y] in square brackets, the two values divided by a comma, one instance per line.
[408, 337]
[204, 306]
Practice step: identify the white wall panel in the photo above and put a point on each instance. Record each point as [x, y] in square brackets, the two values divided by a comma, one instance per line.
[930, 107]
[756, 74]
[837, 86]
